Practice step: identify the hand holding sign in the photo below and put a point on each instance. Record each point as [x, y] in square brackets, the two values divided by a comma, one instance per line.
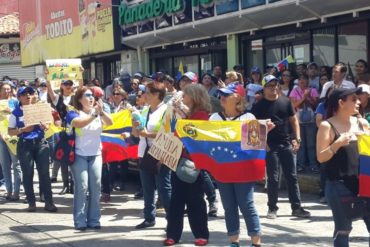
[35, 113]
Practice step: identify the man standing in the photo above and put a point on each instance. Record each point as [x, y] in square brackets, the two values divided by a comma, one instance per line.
[280, 147]
[338, 74]
[312, 73]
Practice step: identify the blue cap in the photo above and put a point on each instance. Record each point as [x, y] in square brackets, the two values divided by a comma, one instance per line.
[141, 87]
[233, 88]
[255, 69]
[23, 90]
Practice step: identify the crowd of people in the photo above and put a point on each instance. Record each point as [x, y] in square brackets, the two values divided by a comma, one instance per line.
[298, 103]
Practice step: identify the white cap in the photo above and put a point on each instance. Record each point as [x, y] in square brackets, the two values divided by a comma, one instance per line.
[365, 88]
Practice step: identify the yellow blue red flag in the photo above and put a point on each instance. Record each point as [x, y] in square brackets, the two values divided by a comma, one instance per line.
[216, 147]
[364, 171]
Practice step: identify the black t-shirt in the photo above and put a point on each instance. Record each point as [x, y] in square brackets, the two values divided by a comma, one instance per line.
[279, 111]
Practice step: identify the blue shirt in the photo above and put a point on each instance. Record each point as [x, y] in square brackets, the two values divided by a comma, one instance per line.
[16, 121]
[321, 110]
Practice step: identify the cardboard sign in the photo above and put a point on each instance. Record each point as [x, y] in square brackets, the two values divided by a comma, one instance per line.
[63, 69]
[254, 135]
[35, 113]
[3, 108]
[166, 148]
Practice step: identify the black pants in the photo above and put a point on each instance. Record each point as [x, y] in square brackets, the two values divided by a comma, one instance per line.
[29, 153]
[192, 196]
[105, 179]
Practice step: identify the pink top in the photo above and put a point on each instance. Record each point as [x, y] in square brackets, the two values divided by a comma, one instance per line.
[298, 93]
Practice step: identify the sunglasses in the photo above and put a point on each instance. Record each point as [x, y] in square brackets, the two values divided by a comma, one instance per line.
[88, 95]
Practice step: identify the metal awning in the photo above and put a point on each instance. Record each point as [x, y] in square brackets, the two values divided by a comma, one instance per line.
[248, 20]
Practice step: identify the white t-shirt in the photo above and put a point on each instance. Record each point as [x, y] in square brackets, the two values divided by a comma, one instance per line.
[88, 141]
[246, 116]
[153, 125]
[66, 100]
[345, 84]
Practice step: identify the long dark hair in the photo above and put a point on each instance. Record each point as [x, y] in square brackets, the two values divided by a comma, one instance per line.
[79, 94]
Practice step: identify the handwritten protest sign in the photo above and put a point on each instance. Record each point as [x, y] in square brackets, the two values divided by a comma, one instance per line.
[35, 113]
[254, 135]
[166, 146]
[63, 69]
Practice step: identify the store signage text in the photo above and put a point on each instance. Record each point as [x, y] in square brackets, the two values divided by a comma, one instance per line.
[60, 27]
[155, 8]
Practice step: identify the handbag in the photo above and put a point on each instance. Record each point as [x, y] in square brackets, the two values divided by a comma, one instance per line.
[186, 171]
[64, 151]
[149, 163]
[306, 114]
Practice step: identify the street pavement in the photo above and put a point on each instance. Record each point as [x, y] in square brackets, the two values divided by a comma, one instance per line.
[119, 217]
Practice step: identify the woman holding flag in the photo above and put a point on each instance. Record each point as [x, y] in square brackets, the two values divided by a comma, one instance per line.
[235, 196]
[337, 149]
[88, 120]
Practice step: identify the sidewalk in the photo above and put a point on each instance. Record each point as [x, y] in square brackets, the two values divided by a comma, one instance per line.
[119, 217]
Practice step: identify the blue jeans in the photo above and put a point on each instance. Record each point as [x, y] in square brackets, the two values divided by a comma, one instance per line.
[235, 196]
[150, 182]
[334, 191]
[307, 152]
[7, 159]
[86, 172]
[282, 154]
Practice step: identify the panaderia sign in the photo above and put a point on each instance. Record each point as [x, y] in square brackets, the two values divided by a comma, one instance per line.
[151, 9]
[57, 29]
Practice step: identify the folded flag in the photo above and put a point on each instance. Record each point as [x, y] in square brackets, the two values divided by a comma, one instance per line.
[115, 147]
[216, 147]
[364, 171]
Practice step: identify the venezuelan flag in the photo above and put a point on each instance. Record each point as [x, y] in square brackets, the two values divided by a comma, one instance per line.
[285, 63]
[180, 71]
[115, 147]
[216, 147]
[364, 172]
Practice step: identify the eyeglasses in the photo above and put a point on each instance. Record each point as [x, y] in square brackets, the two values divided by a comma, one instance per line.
[88, 95]
[271, 85]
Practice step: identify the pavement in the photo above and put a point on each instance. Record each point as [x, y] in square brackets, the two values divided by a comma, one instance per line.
[119, 217]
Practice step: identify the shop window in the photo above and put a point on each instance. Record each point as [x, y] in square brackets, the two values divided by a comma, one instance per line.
[323, 46]
[301, 53]
[206, 64]
[352, 42]
[228, 6]
[190, 63]
[273, 56]
[251, 3]
[163, 64]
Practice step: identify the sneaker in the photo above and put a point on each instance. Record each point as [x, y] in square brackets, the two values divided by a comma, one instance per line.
[49, 206]
[31, 207]
[14, 198]
[145, 224]
[271, 214]
[300, 169]
[139, 194]
[301, 212]
[212, 212]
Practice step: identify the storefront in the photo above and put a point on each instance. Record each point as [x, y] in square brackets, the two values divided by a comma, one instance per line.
[251, 32]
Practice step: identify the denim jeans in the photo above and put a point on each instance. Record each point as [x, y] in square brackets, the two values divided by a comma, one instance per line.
[334, 191]
[150, 182]
[29, 153]
[86, 172]
[307, 152]
[7, 161]
[282, 154]
[235, 196]
[208, 187]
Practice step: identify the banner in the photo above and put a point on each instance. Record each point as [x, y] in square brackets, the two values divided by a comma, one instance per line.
[216, 147]
[57, 29]
[63, 69]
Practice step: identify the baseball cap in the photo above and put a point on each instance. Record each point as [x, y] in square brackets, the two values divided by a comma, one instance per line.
[341, 93]
[125, 76]
[255, 69]
[191, 75]
[23, 90]
[97, 92]
[233, 88]
[270, 78]
[139, 75]
[67, 82]
[312, 64]
[10, 83]
[365, 88]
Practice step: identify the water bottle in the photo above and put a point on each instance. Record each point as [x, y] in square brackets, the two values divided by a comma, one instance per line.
[137, 117]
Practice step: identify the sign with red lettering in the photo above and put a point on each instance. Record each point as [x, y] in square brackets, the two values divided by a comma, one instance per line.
[10, 53]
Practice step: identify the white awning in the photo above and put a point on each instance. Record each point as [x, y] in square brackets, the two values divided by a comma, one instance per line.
[271, 15]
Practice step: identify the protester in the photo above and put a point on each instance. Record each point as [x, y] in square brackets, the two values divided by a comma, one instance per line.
[235, 196]
[7, 158]
[313, 75]
[337, 149]
[361, 68]
[32, 148]
[190, 194]
[280, 146]
[254, 85]
[87, 120]
[154, 95]
[232, 76]
[286, 83]
[170, 85]
[338, 74]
